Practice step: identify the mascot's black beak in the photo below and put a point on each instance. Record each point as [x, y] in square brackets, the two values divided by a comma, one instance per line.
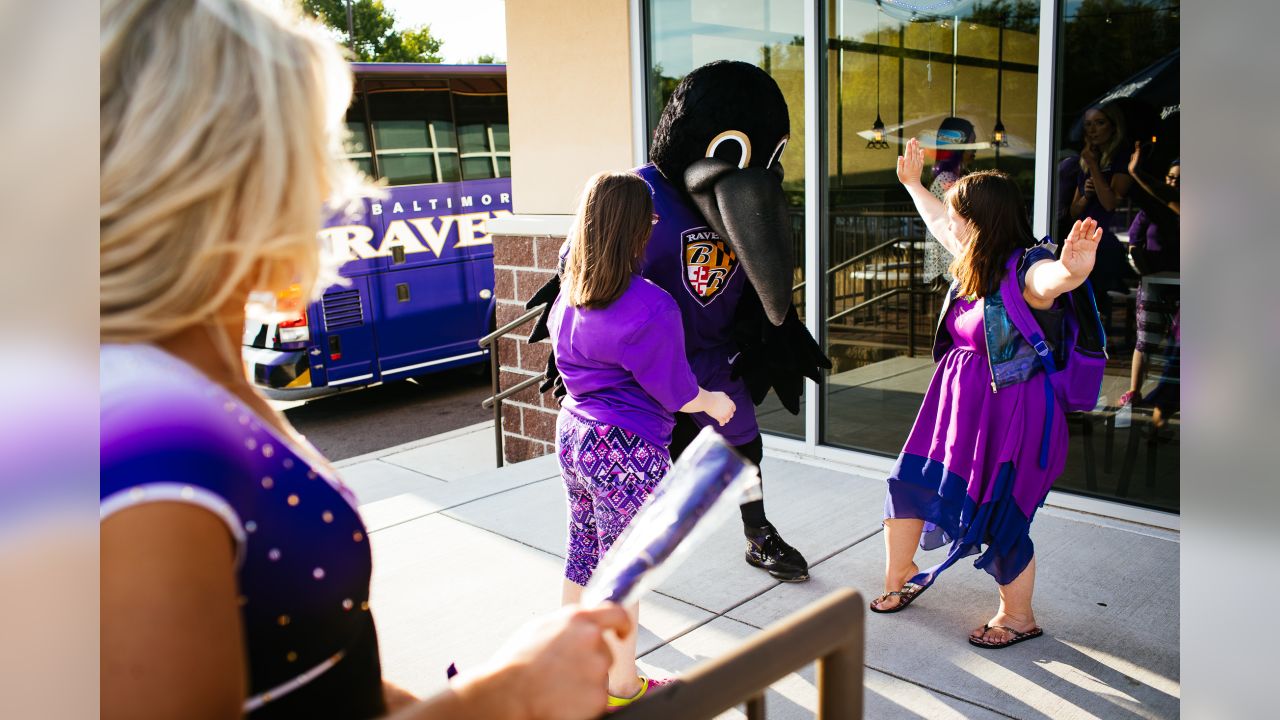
[747, 208]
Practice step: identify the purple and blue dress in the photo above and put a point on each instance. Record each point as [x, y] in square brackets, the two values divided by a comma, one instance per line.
[625, 375]
[169, 435]
[971, 464]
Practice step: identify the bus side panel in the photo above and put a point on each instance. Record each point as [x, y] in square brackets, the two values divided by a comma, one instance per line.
[343, 343]
[493, 198]
[435, 305]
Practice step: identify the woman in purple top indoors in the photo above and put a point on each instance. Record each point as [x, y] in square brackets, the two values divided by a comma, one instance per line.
[986, 445]
[619, 345]
[1153, 244]
[1102, 183]
[952, 164]
[234, 565]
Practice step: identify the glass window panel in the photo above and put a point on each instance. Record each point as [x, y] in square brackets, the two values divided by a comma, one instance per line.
[473, 138]
[879, 304]
[686, 34]
[414, 134]
[407, 169]
[1125, 55]
[482, 132]
[394, 134]
[355, 143]
[501, 137]
[477, 168]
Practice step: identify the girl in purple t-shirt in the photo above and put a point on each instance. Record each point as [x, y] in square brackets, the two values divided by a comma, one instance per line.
[619, 346]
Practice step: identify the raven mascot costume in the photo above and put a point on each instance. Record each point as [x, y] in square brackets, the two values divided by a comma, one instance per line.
[722, 248]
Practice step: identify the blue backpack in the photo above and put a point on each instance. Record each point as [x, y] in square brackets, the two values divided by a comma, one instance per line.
[1073, 371]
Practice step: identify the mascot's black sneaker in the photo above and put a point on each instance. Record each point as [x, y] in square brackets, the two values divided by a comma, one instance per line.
[768, 551]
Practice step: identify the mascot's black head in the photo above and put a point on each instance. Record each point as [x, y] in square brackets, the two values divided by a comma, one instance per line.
[720, 140]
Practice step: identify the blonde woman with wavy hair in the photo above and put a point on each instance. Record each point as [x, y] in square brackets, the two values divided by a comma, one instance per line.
[1102, 184]
[235, 566]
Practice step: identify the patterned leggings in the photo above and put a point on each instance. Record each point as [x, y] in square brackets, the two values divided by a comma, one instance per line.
[608, 472]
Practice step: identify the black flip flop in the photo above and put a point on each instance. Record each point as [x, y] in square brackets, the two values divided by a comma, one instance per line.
[1016, 638]
[909, 592]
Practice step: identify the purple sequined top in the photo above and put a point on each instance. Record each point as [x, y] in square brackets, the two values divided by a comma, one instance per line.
[303, 564]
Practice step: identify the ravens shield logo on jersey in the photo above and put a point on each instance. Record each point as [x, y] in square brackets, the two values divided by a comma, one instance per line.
[708, 264]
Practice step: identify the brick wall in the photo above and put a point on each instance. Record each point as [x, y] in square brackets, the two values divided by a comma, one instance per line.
[521, 264]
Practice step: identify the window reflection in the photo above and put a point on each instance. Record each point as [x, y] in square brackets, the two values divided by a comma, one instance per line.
[1117, 145]
[686, 34]
[951, 81]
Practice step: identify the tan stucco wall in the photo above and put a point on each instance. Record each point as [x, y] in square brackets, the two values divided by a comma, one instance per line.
[569, 98]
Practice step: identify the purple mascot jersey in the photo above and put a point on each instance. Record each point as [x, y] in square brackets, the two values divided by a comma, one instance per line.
[688, 259]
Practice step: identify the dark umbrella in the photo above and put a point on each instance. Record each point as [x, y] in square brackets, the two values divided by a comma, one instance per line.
[1149, 100]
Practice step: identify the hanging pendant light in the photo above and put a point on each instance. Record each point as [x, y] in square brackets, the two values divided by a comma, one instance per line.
[998, 136]
[877, 141]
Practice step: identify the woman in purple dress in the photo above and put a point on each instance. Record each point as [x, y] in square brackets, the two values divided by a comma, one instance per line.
[985, 447]
[234, 565]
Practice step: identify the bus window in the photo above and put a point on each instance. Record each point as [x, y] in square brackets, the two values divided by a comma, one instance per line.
[356, 144]
[414, 135]
[482, 135]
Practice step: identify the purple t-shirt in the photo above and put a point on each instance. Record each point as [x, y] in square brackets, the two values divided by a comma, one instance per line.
[699, 270]
[624, 365]
[1156, 238]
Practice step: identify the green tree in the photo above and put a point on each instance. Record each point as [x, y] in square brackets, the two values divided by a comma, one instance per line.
[486, 60]
[376, 37]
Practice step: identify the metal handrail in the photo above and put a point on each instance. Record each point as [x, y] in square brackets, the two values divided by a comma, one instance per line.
[865, 253]
[871, 301]
[829, 631]
[490, 341]
[489, 401]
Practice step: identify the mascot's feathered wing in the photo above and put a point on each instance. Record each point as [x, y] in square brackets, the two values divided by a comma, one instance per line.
[716, 166]
[722, 248]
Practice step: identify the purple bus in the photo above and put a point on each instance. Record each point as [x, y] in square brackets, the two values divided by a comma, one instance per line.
[419, 261]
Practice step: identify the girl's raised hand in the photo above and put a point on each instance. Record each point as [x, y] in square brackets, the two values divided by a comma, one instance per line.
[1081, 247]
[911, 163]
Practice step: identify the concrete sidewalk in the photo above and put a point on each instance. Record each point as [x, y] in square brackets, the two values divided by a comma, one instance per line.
[464, 554]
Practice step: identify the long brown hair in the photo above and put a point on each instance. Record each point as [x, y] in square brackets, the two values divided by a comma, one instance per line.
[612, 226]
[998, 225]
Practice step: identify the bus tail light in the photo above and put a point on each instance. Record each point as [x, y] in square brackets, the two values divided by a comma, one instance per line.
[293, 329]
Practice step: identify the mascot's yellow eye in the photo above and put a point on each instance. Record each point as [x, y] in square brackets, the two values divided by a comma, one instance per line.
[777, 152]
[731, 146]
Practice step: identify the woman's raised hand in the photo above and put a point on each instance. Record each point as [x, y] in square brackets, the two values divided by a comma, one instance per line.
[1081, 247]
[1135, 159]
[911, 163]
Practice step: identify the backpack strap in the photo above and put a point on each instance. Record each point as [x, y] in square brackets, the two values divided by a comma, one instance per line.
[1020, 315]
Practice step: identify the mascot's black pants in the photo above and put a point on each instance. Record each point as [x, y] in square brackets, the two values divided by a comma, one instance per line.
[682, 436]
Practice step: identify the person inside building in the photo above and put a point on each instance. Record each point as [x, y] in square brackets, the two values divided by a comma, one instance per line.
[1154, 249]
[1102, 184]
[952, 162]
